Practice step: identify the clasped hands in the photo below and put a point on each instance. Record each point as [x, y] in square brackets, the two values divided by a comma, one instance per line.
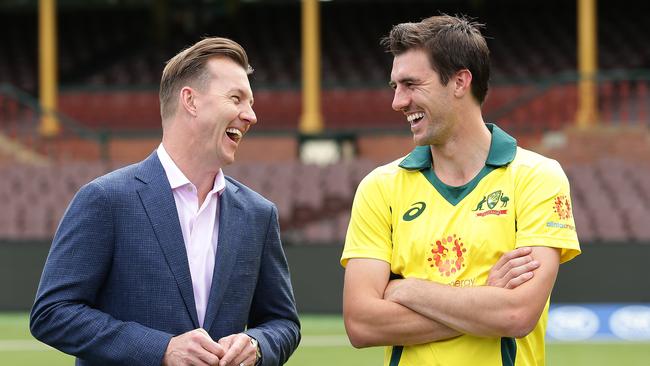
[197, 348]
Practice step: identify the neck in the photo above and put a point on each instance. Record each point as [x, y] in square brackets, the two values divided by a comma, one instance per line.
[200, 174]
[458, 159]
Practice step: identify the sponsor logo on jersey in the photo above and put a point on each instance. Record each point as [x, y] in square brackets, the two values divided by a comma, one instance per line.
[416, 210]
[560, 225]
[492, 204]
[462, 283]
[562, 207]
[447, 255]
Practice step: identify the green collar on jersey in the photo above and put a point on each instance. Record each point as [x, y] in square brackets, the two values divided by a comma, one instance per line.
[503, 148]
[502, 151]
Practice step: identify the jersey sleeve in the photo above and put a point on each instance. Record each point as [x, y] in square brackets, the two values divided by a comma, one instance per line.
[369, 231]
[544, 210]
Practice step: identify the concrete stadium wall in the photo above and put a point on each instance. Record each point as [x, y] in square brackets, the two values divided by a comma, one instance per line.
[604, 273]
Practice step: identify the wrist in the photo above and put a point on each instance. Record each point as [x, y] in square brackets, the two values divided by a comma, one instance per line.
[258, 352]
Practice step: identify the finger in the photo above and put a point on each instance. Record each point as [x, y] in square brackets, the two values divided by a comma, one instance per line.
[236, 348]
[512, 269]
[248, 355]
[507, 257]
[195, 355]
[519, 280]
[524, 251]
[516, 253]
[208, 357]
[526, 267]
[209, 349]
[213, 348]
[246, 360]
[511, 264]
[516, 263]
[519, 270]
[226, 342]
[516, 272]
[197, 361]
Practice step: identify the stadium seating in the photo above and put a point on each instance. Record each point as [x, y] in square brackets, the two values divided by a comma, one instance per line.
[611, 197]
[115, 46]
[36, 197]
[115, 52]
[110, 64]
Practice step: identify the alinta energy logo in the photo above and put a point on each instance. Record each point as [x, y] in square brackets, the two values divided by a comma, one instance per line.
[562, 207]
[447, 255]
[416, 210]
[491, 201]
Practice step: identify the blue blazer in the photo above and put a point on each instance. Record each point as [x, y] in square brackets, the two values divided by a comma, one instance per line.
[116, 284]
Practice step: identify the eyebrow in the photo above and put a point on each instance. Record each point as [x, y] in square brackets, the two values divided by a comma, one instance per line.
[393, 84]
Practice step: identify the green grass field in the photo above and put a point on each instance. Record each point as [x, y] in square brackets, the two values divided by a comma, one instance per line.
[323, 344]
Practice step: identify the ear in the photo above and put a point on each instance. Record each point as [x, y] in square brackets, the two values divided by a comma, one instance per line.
[188, 100]
[462, 83]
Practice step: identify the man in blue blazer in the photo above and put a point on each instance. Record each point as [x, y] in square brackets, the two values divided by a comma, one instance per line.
[168, 262]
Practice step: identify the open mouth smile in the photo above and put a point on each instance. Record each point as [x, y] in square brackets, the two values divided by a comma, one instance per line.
[234, 134]
[415, 117]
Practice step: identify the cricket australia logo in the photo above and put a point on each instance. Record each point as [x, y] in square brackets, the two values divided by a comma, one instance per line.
[447, 255]
[491, 201]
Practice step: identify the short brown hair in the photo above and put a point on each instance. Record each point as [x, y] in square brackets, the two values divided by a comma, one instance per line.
[188, 66]
[452, 43]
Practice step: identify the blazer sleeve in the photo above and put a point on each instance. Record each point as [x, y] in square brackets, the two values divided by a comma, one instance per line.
[76, 268]
[273, 319]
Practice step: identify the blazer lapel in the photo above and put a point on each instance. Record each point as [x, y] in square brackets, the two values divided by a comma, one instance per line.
[231, 221]
[158, 201]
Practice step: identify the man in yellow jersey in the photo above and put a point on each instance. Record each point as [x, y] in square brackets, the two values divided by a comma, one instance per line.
[443, 216]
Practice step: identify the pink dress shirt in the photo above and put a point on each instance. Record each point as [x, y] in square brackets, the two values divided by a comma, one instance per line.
[200, 226]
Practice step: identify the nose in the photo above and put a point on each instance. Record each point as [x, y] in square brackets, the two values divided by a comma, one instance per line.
[248, 116]
[401, 99]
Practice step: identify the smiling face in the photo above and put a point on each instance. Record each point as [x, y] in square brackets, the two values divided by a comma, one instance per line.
[426, 103]
[224, 112]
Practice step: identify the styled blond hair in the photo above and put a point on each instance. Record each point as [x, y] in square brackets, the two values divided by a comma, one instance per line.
[188, 68]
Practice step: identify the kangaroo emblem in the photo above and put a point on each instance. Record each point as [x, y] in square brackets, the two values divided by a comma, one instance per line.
[480, 204]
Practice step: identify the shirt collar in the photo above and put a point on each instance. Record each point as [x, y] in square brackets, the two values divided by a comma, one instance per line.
[178, 179]
[503, 148]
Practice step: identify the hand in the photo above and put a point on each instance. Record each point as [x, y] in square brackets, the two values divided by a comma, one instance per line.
[239, 350]
[513, 269]
[193, 348]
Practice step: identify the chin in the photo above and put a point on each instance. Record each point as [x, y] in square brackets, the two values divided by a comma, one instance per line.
[228, 159]
[226, 156]
[421, 141]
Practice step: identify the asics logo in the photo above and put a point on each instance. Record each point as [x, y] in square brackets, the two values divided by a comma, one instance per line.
[416, 209]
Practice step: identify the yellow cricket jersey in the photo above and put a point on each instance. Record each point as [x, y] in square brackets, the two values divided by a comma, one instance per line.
[404, 215]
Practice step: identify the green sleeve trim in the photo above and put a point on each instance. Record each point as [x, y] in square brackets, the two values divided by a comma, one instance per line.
[396, 355]
[508, 351]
